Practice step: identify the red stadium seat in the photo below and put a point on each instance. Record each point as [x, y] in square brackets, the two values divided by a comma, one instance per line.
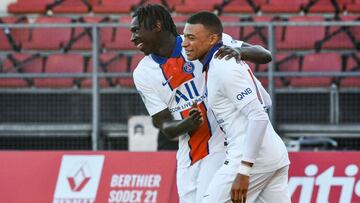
[115, 6]
[13, 38]
[280, 6]
[71, 6]
[353, 6]
[323, 6]
[173, 3]
[353, 64]
[302, 37]
[122, 37]
[49, 38]
[20, 63]
[180, 19]
[109, 63]
[82, 39]
[61, 63]
[323, 62]
[134, 60]
[257, 35]
[191, 6]
[26, 6]
[233, 31]
[284, 63]
[337, 37]
[242, 6]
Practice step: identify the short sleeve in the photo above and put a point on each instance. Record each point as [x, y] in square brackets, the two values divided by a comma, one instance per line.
[237, 83]
[153, 102]
[229, 41]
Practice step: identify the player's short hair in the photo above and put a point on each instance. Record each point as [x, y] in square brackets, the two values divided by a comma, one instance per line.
[149, 14]
[209, 20]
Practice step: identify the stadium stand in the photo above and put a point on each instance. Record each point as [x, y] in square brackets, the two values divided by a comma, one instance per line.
[353, 6]
[59, 36]
[352, 65]
[190, 6]
[12, 39]
[241, 6]
[20, 63]
[122, 37]
[81, 39]
[115, 6]
[279, 6]
[49, 102]
[61, 63]
[322, 6]
[318, 63]
[302, 37]
[338, 37]
[70, 6]
[25, 6]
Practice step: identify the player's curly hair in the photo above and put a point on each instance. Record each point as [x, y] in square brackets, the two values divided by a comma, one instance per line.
[149, 14]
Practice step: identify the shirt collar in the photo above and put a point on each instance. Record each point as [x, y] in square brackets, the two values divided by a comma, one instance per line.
[210, 54]
[176, 52]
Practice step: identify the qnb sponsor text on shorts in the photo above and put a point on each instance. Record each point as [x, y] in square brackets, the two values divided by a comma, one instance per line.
[134, 188]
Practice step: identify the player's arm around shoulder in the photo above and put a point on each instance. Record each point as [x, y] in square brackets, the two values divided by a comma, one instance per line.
[247, 52]
[228, 69]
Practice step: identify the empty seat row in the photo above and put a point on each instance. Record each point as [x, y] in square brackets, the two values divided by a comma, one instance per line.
[118, 38]
[67, 63]
[294, 6]
[118, 63]
[317, 62]
[185, 6]
[303, 37]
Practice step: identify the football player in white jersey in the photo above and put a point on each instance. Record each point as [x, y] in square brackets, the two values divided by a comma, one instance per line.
[256, 164]
[170, 85]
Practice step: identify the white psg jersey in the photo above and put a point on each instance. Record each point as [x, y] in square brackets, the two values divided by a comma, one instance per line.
[175, 83]
[231, 86]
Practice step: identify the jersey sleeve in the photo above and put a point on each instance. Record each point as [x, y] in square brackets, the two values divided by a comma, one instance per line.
[153, 102]
[237, 83]
[229, 41]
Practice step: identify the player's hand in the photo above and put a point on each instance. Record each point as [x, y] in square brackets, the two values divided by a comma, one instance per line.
[239, 188]
[229, 52]
[195, 118]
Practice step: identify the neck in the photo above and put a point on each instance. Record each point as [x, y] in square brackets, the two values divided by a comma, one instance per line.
[167, 42]
[210, 51]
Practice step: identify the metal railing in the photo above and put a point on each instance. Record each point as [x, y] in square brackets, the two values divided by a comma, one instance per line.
[96, 90]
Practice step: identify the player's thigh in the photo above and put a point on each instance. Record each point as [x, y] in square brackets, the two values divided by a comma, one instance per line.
[186, 183]
[277, 189]
[219, 189]
[257, 183]
[208, 167]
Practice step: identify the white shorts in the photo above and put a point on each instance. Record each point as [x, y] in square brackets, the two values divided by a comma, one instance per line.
[193, 181]
[263, 187]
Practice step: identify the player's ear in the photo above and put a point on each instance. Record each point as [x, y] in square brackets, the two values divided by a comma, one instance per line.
[214, 38]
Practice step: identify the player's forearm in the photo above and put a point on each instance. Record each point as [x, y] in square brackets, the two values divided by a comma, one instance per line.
[258, 121]
[175, 128]
[255, 54]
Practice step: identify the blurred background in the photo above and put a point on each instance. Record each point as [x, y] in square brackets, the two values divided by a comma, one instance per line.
[66, 69]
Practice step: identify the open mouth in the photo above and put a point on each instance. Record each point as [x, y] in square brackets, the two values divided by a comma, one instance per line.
[187, 52]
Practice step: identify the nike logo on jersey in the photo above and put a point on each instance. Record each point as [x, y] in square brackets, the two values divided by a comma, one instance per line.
[167, 81]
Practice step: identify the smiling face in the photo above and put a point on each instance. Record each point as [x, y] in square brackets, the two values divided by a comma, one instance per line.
[145, 40]
[198, 41]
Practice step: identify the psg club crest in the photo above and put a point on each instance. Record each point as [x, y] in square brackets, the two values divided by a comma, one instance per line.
[188, 67]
